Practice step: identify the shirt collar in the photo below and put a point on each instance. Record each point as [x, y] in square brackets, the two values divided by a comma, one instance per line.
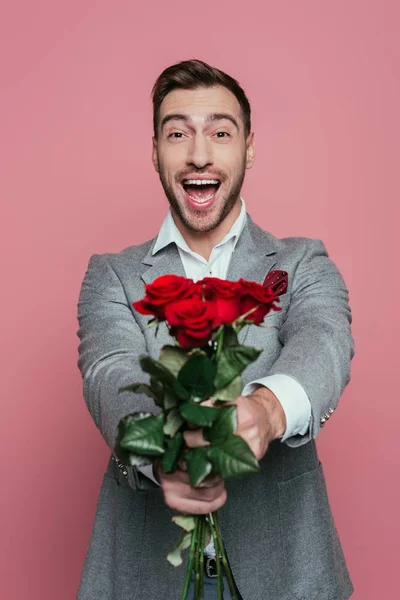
[170, 233]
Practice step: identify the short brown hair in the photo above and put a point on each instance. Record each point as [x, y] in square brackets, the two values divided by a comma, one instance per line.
[193, 74]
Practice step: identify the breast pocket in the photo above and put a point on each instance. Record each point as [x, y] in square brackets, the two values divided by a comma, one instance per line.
[284, 302]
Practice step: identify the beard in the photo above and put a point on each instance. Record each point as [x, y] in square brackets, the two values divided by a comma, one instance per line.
[197, 220]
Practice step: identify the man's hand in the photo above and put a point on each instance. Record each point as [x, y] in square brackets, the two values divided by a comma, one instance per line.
[179, 495]
[261, 419]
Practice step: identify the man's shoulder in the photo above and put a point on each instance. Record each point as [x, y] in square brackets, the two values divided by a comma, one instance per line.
[134, 253]
[291, 245]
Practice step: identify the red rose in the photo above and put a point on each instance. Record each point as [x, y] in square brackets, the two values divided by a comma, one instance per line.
[255, 296]
[191, 321]
[163, 291]
[225, 295]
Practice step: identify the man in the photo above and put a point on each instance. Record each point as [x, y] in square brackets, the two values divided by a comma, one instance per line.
[278, 529]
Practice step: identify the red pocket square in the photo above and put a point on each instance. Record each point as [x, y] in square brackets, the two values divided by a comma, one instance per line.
[277, 281]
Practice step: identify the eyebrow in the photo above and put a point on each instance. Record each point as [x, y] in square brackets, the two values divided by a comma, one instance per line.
[209, 119]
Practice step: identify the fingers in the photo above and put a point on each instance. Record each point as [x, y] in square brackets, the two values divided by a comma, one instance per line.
[194, 507]
[181, 496]
[195, 439]
[208, 496]
[198, 502]
[182, 477]
[208, 402]
[210, 481]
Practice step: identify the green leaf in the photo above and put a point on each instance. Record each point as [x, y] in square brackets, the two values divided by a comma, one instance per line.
[171, 455]
[142, 388]
[230, 337]
[144, 436]
[157, 370]
[232, 458]
[187, 522]
[170, 399]
[174, 556]
[198, 465]
[157, 388]
[230, 392]
[122, 454]
[196, 414]
[173, 358]
[232, 362]
[173, 422]
[197, 376]
[181, 392]
[224, 426]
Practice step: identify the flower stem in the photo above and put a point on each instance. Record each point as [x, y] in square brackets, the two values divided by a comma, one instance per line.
[201, 561]
[220, 583]
[196, 573]
[190, 561]
[227, 568]
[220, 343]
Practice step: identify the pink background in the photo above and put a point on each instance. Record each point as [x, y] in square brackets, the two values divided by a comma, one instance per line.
[76, 179]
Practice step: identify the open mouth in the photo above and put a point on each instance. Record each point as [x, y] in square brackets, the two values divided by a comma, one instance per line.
[201, 191]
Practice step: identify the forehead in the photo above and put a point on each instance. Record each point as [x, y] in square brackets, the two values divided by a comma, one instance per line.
[200, 102]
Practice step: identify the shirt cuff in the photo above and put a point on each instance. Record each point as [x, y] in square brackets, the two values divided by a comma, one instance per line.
[294, 400]
[149, 472]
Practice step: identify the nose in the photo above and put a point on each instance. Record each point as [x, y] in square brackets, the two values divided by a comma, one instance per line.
[200, 152]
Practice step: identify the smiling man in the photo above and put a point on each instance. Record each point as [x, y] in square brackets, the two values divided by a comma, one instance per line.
[201, 152]
[278, 528]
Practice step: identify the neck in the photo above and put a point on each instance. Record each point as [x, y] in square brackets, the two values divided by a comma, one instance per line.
[202, 242]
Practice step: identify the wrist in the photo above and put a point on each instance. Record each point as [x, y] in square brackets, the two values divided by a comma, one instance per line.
[274, 411]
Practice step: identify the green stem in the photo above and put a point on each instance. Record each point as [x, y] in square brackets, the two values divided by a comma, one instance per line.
[190, 562]
[220, 343]
[227, 568]
[217, 556]
[202, 543]
[196, 569]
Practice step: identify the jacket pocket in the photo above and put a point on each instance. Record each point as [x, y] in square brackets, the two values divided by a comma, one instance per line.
[112, 565]
[314, 563]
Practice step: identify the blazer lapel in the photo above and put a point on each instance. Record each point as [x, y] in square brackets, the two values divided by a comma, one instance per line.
[254, 254]
[166, 261]
[253, 257]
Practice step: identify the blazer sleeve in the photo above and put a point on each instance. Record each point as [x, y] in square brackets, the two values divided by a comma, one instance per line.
[316, 336]
[111, 343]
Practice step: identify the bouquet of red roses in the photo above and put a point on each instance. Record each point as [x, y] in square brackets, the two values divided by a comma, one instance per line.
[206, 363]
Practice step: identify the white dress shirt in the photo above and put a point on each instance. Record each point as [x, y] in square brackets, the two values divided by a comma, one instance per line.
[290, 393]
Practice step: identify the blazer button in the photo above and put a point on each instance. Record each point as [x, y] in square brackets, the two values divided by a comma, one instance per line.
[330, 410]
[323, 421]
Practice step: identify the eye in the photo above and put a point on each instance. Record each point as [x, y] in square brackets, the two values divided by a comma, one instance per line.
[222, 134]
[177, 135]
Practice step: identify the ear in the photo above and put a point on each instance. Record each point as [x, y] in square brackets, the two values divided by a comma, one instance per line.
[154, 154]
[250, 150]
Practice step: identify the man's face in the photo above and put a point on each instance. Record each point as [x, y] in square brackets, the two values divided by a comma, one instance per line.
[201, 154]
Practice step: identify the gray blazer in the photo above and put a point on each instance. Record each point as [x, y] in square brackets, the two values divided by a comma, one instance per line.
[277, 526]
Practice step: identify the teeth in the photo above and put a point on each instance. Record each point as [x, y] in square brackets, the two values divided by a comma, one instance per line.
[203, 200]
[201, 182]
